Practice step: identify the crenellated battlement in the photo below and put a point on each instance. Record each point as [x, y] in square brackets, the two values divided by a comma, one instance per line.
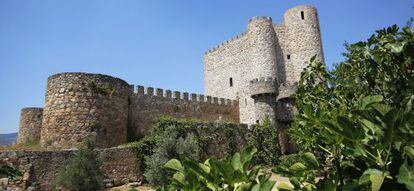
[232, 39]
[261, 86]
[286, 90]
[185, 96]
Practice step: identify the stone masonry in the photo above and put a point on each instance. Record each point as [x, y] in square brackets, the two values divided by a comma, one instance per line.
[30, 123]
[246, 79]
[265, 50]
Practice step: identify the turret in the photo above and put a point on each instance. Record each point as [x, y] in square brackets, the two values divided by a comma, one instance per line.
[30, 125]
[80, 106]
[303, 38]
[264, 91]
[263, 42]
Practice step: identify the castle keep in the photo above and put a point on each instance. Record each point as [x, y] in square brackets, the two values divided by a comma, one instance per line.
[246, 79]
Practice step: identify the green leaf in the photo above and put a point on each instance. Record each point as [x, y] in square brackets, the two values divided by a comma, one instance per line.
[406, 176]
[236, 162]
[370, 100]
[174, 164]
[375, 176]
[281, 186]
[297, 167]
[310, 159]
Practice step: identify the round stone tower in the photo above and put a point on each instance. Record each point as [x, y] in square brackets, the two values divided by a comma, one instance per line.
[262, 51]
[264, 92]
[263, 88]
[81, 106]
[303, 40]
[30, 125]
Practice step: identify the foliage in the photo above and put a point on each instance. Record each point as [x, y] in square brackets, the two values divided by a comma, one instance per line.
[105, 89]
[231, 173]
[174, 138]
[265, 138]
[170, 146]
[289, 160]
[82, 171]
[9, 172]
[360, 115]
[302, 175]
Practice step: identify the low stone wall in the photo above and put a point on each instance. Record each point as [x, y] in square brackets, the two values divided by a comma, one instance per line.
[40, 168]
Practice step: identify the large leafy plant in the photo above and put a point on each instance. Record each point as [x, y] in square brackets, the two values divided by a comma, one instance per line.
[231, 173]
[358, 118]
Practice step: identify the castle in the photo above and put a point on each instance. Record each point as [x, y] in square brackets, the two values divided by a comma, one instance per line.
[246, 79]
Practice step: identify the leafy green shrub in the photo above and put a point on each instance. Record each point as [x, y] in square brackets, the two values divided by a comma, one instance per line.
[229, 174]
[132, 189]
[173, 138]
[360, 115]
[82, 171]
[9, 172]
[289, 160]
[265, 138]
[170, 146]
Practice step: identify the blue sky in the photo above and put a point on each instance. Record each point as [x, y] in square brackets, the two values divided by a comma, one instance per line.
[150, 42]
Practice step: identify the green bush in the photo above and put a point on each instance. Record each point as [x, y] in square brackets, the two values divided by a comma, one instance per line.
[171, 145]
[359, 116]
[82, 171]
[228, 174]
[9, 172]
[289, 160]
[173, 138]
[265, 138]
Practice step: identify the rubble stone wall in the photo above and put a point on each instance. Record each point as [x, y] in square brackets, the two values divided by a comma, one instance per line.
[82, 105]
[30, 125]
[147, 106]
[40, 168]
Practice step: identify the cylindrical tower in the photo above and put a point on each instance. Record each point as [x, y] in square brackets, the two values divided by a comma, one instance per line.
[303, 40]
[264, 92]
[30, 125]
[263, 42]
[81, 106]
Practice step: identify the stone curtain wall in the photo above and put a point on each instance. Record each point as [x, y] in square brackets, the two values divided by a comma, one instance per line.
[40, 168]
[30, 125]
[147, 106]
[265, 49]
[82, 105]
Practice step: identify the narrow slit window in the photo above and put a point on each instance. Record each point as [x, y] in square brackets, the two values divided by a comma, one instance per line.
[288, 56]
[231, 82]
[245, 101]
[302, 14]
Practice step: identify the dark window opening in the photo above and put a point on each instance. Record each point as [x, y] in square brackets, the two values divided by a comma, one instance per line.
[288, 56]
[231, 82]
[302, 14]
[257, 121]
[245, 101]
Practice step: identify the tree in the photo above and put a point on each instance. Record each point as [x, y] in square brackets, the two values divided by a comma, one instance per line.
[83, 170]
[358, 118]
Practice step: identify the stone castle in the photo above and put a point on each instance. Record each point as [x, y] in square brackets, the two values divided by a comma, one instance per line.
[246, 79]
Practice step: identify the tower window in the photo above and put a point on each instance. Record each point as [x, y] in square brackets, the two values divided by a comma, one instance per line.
[288, 56]
[245, 101]
[231, 82]
[302, 14]
[257, 121]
